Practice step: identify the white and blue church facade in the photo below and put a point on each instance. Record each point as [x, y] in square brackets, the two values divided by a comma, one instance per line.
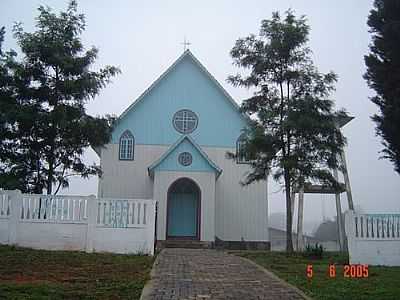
[170, 145]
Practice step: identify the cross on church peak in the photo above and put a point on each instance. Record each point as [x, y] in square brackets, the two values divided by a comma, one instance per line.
[185, 43]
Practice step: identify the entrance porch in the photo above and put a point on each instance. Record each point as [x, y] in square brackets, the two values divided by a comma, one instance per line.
[186, 206]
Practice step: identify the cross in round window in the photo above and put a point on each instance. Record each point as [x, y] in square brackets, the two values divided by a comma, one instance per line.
[185, 159]
[185, 121]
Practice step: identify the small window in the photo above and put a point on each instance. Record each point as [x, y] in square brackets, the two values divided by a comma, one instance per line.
[126, 146]
[185, 121]
[241, 155]
[185, 159]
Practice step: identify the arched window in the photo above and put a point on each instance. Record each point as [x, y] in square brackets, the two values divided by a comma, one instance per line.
[241, 155]
[126, 146]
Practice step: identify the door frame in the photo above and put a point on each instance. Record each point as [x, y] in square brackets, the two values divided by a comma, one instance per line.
[198, 219]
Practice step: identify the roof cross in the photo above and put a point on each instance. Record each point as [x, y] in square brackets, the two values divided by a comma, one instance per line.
[185, 43]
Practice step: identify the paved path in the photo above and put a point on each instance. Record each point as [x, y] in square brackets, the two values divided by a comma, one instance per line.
[210, 274]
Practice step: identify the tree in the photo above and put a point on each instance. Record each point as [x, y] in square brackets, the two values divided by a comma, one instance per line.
[383, 75]
[45, 127]
[293, 133]
[2, 32]
[10, 177]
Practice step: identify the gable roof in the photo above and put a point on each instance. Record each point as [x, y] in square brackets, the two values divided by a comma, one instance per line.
[189, 54]
[154, 165]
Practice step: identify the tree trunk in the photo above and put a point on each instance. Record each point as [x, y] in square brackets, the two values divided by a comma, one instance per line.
[38, 189]
[289, 241]
[50, 179]
[49, 186]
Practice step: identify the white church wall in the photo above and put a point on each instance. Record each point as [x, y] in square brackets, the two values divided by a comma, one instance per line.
[241, 213]
[373, 239]
[125, 178]
[206, 183]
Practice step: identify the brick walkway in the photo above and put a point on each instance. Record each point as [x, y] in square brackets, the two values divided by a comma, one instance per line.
[209, 274]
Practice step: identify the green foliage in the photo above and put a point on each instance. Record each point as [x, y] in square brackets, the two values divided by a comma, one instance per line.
[293, 135]
[313, 251]
[44, 127]
[383, 75]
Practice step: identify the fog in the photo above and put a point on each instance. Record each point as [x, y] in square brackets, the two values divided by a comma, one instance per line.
[144, 38]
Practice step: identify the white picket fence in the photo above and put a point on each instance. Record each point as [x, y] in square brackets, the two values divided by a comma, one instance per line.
[45, 208]
[373, 239]
[122, 213]
[77, 223]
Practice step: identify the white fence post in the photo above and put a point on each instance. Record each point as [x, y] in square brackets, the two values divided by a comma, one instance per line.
[91, 222]
[15, 211]
[152, 225]
[350, 232]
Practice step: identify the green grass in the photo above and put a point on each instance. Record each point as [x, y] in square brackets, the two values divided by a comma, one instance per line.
[38, 274]
[382, 282]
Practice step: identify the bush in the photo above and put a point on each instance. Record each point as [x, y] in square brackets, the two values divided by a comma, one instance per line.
[314, 251]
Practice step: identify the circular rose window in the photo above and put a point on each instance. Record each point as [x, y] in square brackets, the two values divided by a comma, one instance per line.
[185, 159]
[185, 121]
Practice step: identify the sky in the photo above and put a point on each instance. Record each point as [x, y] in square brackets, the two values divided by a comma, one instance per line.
[144, 38]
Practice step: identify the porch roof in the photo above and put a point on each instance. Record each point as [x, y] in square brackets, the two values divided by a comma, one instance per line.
[206, 161]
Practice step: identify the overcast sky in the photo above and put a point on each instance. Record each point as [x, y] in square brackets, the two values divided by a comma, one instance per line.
[143, 38]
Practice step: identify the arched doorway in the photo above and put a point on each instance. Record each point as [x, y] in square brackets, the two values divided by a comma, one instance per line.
[183, 210]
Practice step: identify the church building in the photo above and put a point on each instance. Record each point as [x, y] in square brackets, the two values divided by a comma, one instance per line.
[170, 145]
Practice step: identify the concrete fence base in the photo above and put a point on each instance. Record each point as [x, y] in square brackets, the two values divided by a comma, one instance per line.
[373, 239]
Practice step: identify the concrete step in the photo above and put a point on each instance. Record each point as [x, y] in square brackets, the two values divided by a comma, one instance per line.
[188, 244]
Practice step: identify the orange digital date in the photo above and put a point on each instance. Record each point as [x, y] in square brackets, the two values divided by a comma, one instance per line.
[355, 271]
[349, 271]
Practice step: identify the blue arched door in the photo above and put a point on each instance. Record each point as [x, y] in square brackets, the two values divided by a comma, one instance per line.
[183, 210]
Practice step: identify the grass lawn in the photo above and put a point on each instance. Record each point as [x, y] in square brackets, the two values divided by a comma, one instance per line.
[382, 282]
[38, 274]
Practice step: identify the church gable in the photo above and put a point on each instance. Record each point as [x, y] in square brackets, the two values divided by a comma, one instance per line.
[186, 85]
[184, 155]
